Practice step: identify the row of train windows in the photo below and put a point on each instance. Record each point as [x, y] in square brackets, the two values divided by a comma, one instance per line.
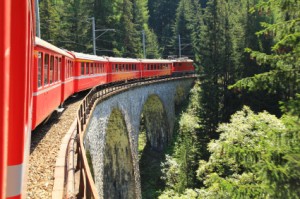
[156, 66]
[49, 69]
[124, 67]
[92, 68]
[69, 69]
[181, 64]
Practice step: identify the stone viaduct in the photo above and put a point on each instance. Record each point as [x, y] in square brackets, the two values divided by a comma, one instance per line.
[111, 139]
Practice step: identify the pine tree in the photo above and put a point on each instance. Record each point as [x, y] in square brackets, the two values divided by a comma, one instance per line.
[282, 78]
[76, 34]
[161, 20]
[140, 19]
[213, 63]
[49, 21]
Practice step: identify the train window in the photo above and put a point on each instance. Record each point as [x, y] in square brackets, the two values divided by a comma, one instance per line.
[127, 68]
[51, 69]
[91, 68]
[40, 58]
[59, 68]
[87, 70]
[55, 69]
[71, 69]
[82, 68]
[66, 69]
[46, 67]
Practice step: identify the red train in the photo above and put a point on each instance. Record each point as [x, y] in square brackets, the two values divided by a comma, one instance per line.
[59, 74]
[37, 77]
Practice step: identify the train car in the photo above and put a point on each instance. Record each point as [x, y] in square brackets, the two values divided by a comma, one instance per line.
[182, 66]
[67, 77]
[49, 62]
[123, 69]
[90, 71]
[16, 60]
[155, 67]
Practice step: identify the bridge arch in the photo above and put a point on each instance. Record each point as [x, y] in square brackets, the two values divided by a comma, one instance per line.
[156, 124]
[118, 164]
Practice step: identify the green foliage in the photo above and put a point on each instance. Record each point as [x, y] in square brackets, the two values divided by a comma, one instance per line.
[284, 29]
[179, 169]
[253, 158]
[161, 20]
[188, 194]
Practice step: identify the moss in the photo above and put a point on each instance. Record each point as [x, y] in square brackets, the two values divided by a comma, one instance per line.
[179, 95]
[118, 167]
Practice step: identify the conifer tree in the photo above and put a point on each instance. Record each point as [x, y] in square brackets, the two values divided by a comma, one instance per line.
[141, 19]
[49, 19]
[282, 78]
[76, 33]
[161, 20]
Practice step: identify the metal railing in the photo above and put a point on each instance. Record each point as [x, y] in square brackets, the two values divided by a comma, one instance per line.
[87, 187]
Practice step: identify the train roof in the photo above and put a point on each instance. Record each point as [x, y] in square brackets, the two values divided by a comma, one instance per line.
[182, 60]
[155, 61]
[120, 59]
[45, 44]
[88, 57]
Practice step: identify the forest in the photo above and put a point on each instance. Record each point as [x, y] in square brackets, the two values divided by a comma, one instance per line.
[238, 136]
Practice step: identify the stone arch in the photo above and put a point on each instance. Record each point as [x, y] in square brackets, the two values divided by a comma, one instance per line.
[118, 175]
[156, 123]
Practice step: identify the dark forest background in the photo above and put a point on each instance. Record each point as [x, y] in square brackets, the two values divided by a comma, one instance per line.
[239, 136]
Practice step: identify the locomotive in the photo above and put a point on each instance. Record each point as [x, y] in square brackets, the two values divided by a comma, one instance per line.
[36, 77]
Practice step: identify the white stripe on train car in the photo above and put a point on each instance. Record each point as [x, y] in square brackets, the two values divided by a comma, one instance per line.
[89, 76]
[46, 90]
[15, 180]
[68, 80]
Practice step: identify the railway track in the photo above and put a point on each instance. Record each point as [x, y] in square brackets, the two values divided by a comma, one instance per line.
[45, 145]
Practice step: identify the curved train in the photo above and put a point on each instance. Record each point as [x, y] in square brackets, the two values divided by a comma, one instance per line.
[37, 77]
[59, 74]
